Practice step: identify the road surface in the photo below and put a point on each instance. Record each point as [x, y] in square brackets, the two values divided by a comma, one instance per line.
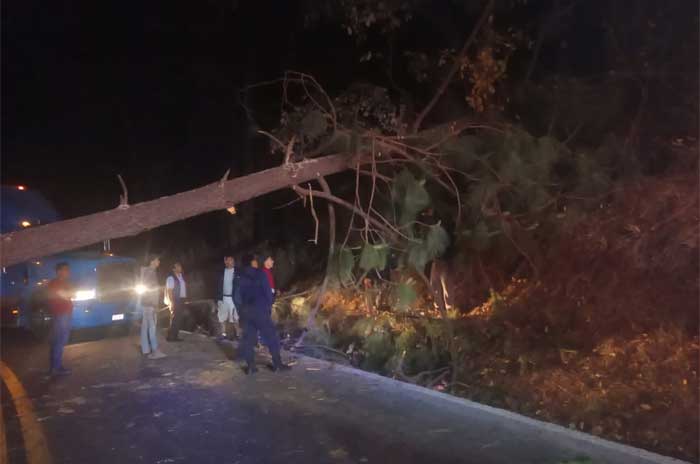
[197, 406]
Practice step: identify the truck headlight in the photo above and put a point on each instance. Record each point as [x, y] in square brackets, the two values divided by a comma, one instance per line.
[84, 295]
[140, 289]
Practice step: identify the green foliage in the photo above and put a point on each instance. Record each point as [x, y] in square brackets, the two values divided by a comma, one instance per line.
[422, 252]
[432, 246]
[420, 359]
[481, 193]
[436, 333]
[373, 257]
[407, 340]
[363, 327]
[418, 256]
[411, 196]
[436, 241]
[405, 295]
[341, 264]
[379, 350]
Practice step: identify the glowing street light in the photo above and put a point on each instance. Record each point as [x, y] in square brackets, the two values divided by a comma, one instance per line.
[25, 223]
[21, 187]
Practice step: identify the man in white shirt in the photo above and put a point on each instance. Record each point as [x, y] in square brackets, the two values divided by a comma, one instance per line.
[175, 295]
[228, 283]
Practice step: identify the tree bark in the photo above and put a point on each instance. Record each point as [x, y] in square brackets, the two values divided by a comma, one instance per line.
[125, 221]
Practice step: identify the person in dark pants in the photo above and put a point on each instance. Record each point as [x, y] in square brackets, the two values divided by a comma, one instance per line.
[256, 314]
[176, 294]
[61, 307]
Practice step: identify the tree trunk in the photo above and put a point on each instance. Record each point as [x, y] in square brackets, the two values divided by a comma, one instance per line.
[65, 235]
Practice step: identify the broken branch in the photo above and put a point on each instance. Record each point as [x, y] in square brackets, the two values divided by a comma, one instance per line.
[455, 67]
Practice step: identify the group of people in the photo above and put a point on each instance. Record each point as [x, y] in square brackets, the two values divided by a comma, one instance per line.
[245, 298]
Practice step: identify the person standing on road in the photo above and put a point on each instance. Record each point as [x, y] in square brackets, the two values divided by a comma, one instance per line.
[268, 263]
[60, 292]
[228, 287]
[256, 314]
[148, 301]
[175, 295]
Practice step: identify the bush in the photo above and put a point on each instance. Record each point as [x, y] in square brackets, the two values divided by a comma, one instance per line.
[379, 349]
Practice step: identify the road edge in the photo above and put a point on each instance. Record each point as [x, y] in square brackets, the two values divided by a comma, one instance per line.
[582, 439]
[35, 444]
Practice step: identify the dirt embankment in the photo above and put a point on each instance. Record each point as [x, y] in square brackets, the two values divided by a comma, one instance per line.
[607, 339]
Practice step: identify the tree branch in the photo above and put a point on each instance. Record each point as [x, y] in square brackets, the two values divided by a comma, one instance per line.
[455, 66]
[339, 201]
[331, 251]
[124, 198]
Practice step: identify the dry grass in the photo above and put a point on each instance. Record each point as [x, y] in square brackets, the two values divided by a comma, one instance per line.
[606, 341]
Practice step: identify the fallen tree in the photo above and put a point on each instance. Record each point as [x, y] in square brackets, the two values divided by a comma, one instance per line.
[127, 220]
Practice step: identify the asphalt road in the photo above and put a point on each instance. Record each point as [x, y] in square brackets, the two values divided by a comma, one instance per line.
[197, 406]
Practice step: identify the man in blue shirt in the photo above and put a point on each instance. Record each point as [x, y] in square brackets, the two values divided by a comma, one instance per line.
[256, 315]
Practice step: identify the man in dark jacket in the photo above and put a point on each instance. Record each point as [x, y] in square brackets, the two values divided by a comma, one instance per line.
[256, 314]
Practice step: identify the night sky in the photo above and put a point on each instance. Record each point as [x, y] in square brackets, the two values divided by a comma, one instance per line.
[95, 89]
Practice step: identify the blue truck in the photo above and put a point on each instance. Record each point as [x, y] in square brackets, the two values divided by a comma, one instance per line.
[106, 284]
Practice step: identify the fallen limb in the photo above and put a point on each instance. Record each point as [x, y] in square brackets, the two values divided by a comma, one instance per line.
[65, 235]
